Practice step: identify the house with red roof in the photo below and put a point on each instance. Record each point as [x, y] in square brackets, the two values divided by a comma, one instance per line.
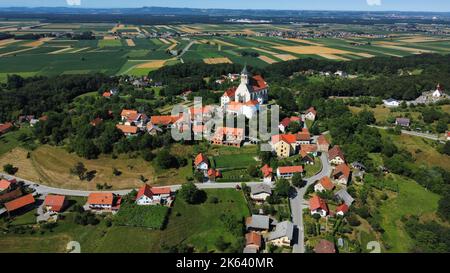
[311, 114]
[20, 203]
[128, 130]
[101, 201]
[267, 173]
[133, 118]
[448, 136]
[284, 123]
[248, 109]
[304, 137]
[5, 127]
[284, 145]
[325, 246]
[5, 186]
[318, 206]
[213, 174]
[54, 203]
[201, 162]
[153, 196]
[228, 136]
[322, 144]
[228, 96]
[324, 184]
[253, 242]
[341, 174]
[336, 156]
[287, 172]
[342, 210]
[306, 158]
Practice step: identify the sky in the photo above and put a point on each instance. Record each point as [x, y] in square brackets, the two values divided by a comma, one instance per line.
[369, 5]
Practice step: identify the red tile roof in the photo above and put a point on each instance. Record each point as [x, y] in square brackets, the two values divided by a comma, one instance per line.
[317, 203]
[20, 202]
[335, 152]
[259, 83]
[200, 158]
[285, 122]
[126, 113]
[56, 202]
[4, 184]
[230, 131]
[214, 173]
[309, 148]
[127, 129]
[266, 170]
[107, 94]
[322, 140]
[288, 138]
[164, 120]
[161, 190]
[290, 169]
[343, 208]
[325, 246]
[326, 183]
[342, 170]
[303, 136]
[253, 238]
[100, 198]
[96, 121]
[230, 92]
[5, 127]
[144, 191]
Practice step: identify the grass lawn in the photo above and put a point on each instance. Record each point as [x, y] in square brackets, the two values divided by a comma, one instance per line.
[311, 170]
[141, 216]
[412, 199]
[26, 218]
[9, 140]
[200, 225]
[235, 161]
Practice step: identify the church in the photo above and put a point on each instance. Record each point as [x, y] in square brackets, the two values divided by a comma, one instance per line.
[251, 88]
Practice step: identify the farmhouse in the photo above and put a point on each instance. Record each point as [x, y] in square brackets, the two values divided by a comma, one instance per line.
[341, 174]
[260, 192]
[403, 122]
[153, 129]
[5, 127]
[213, 174]
[253, 242]
[325, 246]
[311, 114]
[257, 222]
[288, 171]
[102, 201]
[310, 149]
[164, 121]
[318, 206]
[324, 184]
[336, 156]
[251, 88]
[342, 210]
[127, 130]
[201, 162]
[322, 144]
[54, 203]
[132, 117]
[19, 203]
[152, 196]
[5, 186]
[284, 145]
[306, 158]
[304, 137]
[267, 173]
[283, 234]
[439, 92]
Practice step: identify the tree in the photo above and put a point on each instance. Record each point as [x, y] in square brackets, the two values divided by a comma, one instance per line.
[80, 170]
[441, 126]
[297, 181]
[10, 169]
[199, 177]
[191, 194]
[294, 127]
[165, 160]
[282, 188]
[253, 171]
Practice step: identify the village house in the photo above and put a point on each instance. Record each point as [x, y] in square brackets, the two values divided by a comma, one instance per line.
[5, 186]
[336, 156]
[54, 203]
[153, 130]
[153, 196]
[318, 206]
[341, 174]
[342, 209]
[282, 235]
[201, 114]
[267, 173]
[343, 196]
[19, 203]
[228, 136]
[260, 192]
[324, 184]
[288, 172]
[128, 130]
[310, 149]
[322, 144]
[311, 114]
[133, 118]
[439, 92]
[166, 121]
[253, 242]
[257, 222]
[306, 158]
[96, 122]
[284, 124]
[103, 201]
[5, 127]
[303, 137]
[325, 246]
[201, 163]
[213, 174]
[110, 93]
[228, 97]
[284, 145]
[391, 103]
[403, 122]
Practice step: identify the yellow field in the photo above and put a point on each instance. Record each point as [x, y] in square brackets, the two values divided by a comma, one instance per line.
[38, 42]
[365, 55]
[311, 50]
[130, 42]
[303, 41]
[152, 64]
[173, 41]
[172, 47]
[7, 42]
[267, 59]
[164, 41]
[285, 57]
[187, 29]
[217, 61]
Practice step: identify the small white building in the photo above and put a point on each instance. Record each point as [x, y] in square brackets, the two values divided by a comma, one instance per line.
[391, 103]
[260, 192]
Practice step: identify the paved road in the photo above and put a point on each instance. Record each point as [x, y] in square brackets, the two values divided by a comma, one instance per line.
[298, 202]
[412, 133]
[185, 50]
[44, 190]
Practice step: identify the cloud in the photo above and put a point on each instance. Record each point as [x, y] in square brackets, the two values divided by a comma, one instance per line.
[374, 2]
[78, 2]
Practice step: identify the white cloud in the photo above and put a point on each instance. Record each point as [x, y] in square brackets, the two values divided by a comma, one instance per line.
[77, 2]
[374, 2]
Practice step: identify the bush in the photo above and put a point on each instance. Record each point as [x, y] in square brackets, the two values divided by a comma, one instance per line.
[191, 194]
[10, 169]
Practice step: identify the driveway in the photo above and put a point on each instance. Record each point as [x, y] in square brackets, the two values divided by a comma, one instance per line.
[298, 203]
